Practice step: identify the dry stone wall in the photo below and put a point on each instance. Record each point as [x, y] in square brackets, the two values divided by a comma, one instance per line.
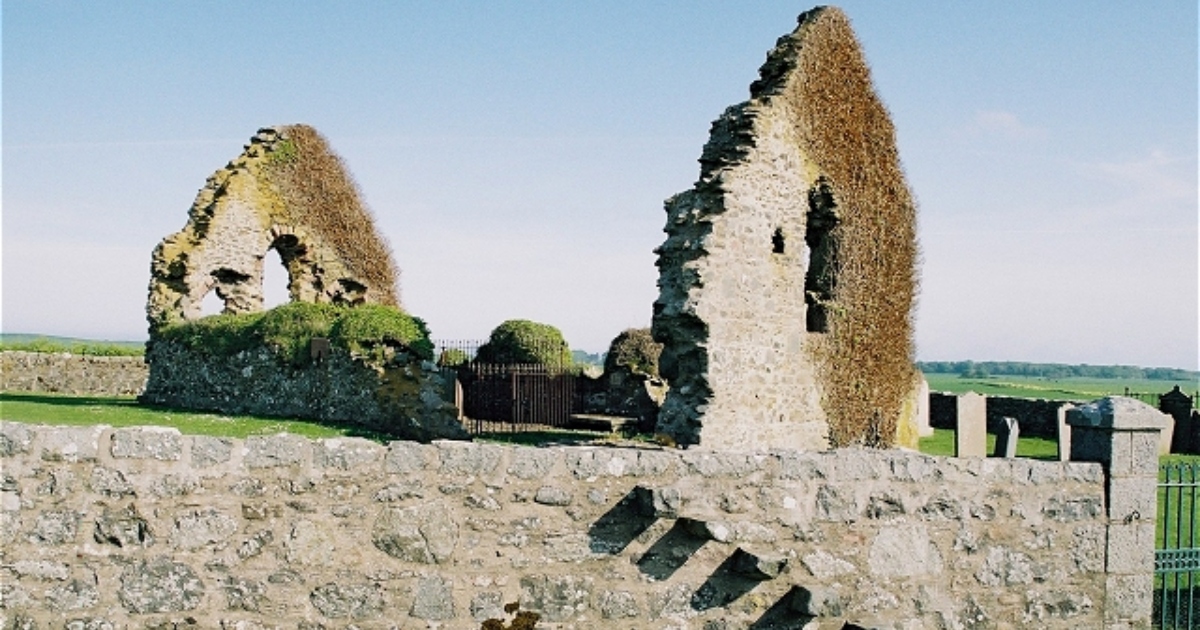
[144, 527]
[63, 373]
[1037, 417]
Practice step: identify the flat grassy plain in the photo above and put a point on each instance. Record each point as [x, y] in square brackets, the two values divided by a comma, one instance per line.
[52, 344]
[1072, 389]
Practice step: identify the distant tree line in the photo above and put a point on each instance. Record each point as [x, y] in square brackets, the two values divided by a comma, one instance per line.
[973, 369]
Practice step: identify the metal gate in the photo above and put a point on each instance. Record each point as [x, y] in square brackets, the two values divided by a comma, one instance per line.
[500, 397]
[1177, 548]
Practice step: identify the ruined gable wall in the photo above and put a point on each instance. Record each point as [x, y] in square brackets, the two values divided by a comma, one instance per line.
[787, 277]
[286, 191]
[283, 532]
[744, 292]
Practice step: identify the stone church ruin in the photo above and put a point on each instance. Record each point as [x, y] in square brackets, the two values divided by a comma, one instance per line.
[788, 275]
[341, 351]
[287, 191]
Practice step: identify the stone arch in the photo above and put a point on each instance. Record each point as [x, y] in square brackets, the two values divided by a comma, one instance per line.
[287, 191]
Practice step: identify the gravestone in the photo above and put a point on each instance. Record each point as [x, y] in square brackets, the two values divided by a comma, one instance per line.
[1064, 432]
[924, 428]
[970, 432]
[1006, 438]
[1178, 405]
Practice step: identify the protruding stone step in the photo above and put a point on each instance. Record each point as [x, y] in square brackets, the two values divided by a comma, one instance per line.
[758, 567]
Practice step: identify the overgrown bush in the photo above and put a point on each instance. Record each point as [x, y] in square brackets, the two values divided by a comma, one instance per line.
[367, 329]
[288, 331]
[866, 362]
[319, 192]
[523, 341]
[636, 350]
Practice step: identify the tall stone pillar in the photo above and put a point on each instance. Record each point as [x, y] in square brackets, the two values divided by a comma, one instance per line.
[1122, 434]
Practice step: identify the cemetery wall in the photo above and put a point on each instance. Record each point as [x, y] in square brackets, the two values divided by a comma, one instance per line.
[144, 527]
[1037, 418]
[64, 373]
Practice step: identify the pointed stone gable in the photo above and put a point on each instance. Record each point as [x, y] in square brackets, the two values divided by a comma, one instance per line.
[789, 269]
[287, 191]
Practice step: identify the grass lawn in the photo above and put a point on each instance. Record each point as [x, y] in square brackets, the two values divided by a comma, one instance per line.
[1075, 389]
[942, 443]
[56, 409]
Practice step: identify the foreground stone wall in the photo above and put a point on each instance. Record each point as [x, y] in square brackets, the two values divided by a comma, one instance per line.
[144, 527]
[63, 373]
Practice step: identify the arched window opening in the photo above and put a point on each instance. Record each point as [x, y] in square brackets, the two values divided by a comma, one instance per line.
[212, 304]
[275, 280]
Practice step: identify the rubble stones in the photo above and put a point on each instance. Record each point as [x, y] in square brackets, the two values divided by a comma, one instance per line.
[160, 585]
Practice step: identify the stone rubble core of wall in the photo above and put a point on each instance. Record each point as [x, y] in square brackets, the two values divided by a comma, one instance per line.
[62, 373]
[146, 527]
[798, 236]
[287, 191]
[403, 397]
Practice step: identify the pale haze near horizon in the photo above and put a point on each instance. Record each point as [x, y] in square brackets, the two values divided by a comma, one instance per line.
[517, 155]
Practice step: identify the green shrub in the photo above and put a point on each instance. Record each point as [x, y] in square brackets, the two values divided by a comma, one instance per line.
[367, 329]
[216, 335]
[635, 349]
[288, 331]
[523, 341]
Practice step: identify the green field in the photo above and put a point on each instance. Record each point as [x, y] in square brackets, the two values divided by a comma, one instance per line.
[1073, 388]
[50, 343]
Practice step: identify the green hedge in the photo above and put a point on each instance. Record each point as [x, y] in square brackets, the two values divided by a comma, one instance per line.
[289, 330]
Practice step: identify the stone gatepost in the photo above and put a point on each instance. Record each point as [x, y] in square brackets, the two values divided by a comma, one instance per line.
[1122, 434]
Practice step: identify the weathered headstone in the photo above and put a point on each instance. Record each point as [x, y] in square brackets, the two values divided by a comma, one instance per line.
[1064, 432]
[783, 308]
[1179, 406]
[924, 428]
[970, 432]
[1006, 438]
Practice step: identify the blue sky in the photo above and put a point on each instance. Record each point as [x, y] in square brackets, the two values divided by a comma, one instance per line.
[517, 154]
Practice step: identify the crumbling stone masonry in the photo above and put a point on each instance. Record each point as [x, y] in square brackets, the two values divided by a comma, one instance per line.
[287, 191]
[788, 273]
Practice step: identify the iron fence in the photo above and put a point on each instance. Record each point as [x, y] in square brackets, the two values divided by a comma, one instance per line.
[500, 396]
[1152, 398]
[1177, 548]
